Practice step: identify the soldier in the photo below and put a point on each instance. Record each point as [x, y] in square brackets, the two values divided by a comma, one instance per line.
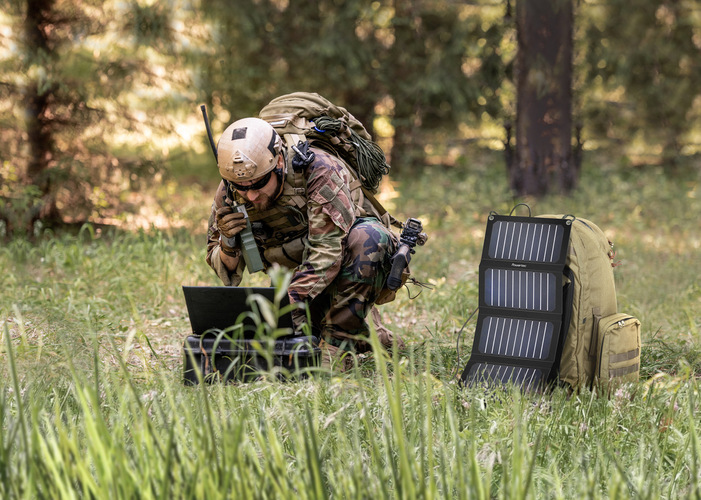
[313, 220]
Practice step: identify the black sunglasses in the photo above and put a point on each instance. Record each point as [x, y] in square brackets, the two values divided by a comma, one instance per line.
[255, 186]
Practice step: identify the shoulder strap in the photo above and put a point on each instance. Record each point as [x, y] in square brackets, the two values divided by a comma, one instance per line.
[380, 209]
[296, 187]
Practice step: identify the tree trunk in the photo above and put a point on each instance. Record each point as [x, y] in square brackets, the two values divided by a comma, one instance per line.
[543, 154]
[37, 102]
[407, 56]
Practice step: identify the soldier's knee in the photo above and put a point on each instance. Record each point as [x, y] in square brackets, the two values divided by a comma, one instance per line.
[368, 251]
[370, 241]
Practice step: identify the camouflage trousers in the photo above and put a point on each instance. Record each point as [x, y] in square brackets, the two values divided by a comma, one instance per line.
[340, 314]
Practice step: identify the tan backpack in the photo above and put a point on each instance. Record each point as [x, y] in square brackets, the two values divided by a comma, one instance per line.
[601, 346]
[307, 116]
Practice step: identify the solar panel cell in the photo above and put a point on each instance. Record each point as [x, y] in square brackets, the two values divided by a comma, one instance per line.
[520, 376]
[530, 290]
[526, 241]
[514, 337]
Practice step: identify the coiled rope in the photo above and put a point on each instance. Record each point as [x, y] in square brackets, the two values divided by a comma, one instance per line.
[369, 159]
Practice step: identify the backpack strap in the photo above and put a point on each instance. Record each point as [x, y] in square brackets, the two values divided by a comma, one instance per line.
[297, 189]
[384, 214]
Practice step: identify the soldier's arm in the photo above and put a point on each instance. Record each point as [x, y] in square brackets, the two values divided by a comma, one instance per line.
[229, 268]
[331, 216]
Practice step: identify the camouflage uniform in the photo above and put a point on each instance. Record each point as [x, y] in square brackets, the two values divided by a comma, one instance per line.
[324, 229]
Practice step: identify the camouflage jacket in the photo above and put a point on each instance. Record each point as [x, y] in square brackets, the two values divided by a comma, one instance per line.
[304, 230]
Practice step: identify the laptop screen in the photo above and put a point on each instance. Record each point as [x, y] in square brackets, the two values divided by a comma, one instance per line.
[221, 307]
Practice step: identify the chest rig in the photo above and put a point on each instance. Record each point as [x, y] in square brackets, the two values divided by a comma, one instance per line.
[281, 232]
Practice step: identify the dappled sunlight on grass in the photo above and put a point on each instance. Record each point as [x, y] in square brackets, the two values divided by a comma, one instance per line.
[125, 281]
[167, 206]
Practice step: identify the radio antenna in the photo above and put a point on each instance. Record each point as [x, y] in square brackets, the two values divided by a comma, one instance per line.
[209, 131]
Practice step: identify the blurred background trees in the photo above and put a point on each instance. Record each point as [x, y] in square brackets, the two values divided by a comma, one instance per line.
[100, 98]
[86, 87]
[641, 69]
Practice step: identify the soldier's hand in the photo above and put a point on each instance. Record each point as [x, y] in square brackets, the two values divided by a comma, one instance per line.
[230, 222]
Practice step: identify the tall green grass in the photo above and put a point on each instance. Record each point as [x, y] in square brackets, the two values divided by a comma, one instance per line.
[92, 404]
[404, 435]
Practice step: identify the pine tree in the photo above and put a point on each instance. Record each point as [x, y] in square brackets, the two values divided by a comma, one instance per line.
[543, 159]
[76, 133]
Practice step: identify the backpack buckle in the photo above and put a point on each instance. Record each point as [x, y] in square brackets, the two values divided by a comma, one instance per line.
[303, 156]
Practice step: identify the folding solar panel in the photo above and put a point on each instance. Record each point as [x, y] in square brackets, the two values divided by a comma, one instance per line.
[519, 327]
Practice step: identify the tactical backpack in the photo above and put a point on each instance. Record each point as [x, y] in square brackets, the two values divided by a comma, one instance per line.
[601, 346]
[306, 117]
[548, 309]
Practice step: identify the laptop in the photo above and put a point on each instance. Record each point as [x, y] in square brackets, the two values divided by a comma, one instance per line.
[221, 307]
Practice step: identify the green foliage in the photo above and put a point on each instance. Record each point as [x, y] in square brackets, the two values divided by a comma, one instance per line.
[642, 78]
[81, 127]
[359, 54]
[307, 46]
[150, 25]
[106, 100]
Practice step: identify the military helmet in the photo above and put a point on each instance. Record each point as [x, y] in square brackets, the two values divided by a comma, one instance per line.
[248, 149]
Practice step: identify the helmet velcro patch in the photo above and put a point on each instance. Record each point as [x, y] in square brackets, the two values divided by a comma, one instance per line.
[239, 133]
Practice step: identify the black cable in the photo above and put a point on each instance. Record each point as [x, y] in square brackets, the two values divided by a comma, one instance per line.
[457, 345]
[520, 205]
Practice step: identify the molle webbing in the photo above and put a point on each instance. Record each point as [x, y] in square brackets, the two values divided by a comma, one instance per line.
[619, 372]
[287, 219]
[624, 356]
[281, 224]
[296, 184]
